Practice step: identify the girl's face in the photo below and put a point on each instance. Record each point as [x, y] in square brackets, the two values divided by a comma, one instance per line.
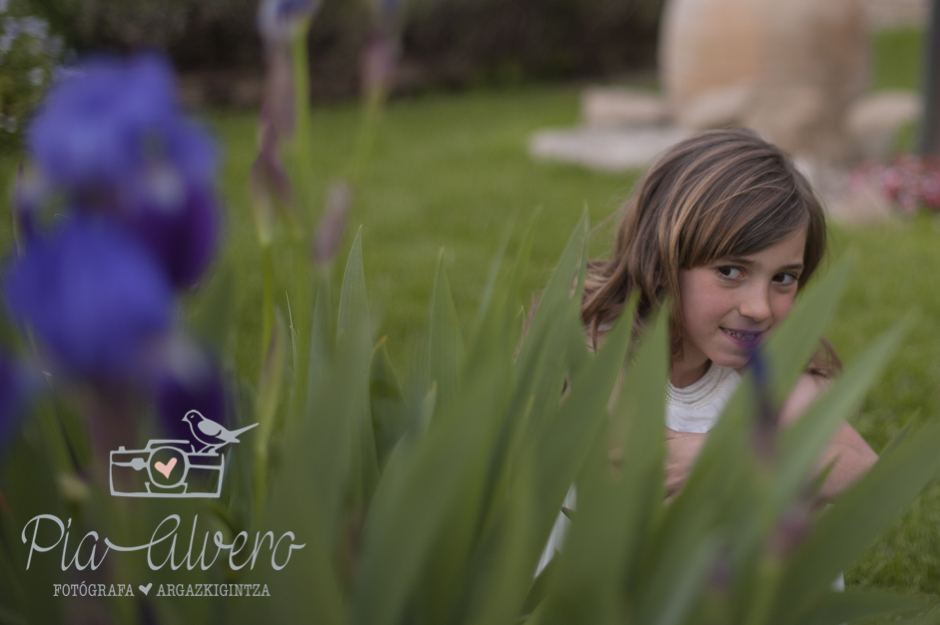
[729, 306]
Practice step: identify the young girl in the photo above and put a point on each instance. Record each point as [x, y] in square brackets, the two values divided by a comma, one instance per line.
[726, 228]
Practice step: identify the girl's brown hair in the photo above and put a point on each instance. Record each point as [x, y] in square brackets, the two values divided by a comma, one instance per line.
[719, 194]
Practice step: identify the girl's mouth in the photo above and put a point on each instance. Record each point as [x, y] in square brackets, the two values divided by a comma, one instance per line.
[748, 338]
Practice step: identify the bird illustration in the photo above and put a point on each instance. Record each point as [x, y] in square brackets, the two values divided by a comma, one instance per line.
[211, 434]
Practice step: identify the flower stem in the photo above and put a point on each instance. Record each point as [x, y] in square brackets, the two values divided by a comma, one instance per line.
[365, 138]
[302, 145]
[267, 298]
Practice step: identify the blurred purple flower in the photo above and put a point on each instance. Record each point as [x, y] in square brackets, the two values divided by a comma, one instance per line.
[90, 129]
[277, 111]
[721, 576]
[378, 62]
[279, 21]
[113, 139]
[758, 366]
[190, 382]
[793, 525]
[94, 298]
[765, 431]
[179, 225]
[268, 181]
[332, 223]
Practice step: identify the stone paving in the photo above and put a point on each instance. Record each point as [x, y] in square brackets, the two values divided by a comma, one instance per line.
[607, 149]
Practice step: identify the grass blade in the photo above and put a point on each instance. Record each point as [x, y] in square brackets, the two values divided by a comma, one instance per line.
[353, 305]
[389, 411]
[445, 346]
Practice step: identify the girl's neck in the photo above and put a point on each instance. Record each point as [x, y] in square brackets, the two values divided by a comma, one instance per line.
[683, 374]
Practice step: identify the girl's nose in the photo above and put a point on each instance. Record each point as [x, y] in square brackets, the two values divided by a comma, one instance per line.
[756, 303]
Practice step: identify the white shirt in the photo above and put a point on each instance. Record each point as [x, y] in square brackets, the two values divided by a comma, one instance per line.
[694, 408]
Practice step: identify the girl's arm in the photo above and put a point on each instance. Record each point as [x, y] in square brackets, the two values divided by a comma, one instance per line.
[852, 455]
[682, 448]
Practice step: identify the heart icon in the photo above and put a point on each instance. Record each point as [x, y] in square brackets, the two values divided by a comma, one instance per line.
[165, 469]
[146, 589]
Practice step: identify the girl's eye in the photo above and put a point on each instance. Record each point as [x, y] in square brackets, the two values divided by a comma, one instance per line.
[730, 272]
[785, 279]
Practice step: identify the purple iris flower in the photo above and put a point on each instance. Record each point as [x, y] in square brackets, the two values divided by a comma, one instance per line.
[89, 129]
[112, 137]
[190, 382]
[179, 225]
[94, 298]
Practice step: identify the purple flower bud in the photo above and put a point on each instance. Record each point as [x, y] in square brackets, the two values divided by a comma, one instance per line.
[94, 298]
[793, 526]
[277, 111]
[332, 223]
[721, 576]
[378, 62]
[758, 366]
[765, 430]
[279, 21]
[790, 532]
[190, 381]
[269, 183]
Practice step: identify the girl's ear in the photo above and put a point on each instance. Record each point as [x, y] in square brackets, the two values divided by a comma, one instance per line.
[825, 363]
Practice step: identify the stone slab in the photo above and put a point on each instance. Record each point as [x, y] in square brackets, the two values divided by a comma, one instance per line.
[606, 149]
[874, 121]
[618, 106]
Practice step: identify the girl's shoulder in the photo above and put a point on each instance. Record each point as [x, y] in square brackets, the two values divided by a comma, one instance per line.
[808, 387]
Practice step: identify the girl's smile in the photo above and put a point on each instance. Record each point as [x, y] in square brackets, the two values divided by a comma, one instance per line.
[748, 339]
[729, 306]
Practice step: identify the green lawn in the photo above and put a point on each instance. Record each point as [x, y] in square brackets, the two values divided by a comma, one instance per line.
[897, 59]
[450, 171]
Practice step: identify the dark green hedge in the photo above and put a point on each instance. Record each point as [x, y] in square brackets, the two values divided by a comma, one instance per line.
[445, 43]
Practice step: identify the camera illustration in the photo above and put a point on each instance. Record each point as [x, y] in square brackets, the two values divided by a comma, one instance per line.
[175, 468]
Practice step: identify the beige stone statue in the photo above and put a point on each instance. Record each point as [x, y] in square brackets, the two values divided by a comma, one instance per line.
[789, 68]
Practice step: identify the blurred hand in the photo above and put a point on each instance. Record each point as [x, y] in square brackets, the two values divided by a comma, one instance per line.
[682, 448]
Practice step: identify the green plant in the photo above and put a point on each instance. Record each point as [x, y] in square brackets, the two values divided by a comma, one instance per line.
[29, 54]
[469, 493]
